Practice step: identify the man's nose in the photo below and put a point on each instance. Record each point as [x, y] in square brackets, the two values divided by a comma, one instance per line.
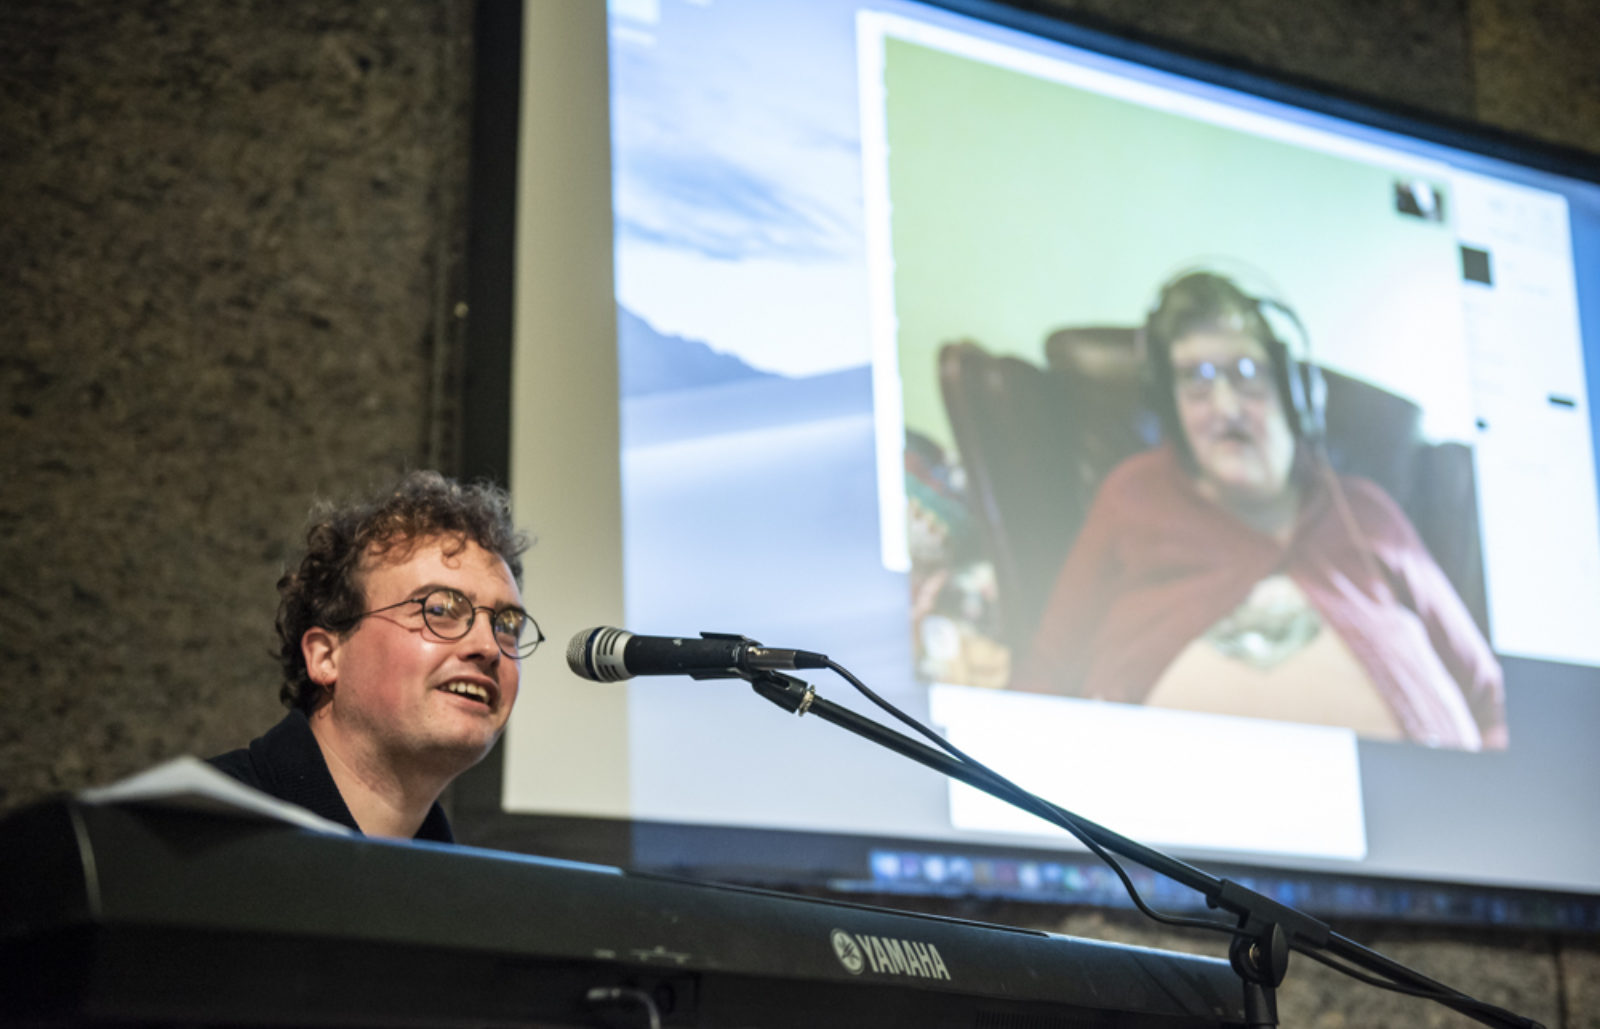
[480, 638]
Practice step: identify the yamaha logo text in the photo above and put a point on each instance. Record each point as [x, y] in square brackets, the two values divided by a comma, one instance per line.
[859, 952]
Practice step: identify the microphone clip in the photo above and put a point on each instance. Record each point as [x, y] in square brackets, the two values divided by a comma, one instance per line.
[793, 695]
[729, 673]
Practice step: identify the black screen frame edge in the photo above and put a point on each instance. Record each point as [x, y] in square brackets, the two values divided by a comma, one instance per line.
[490, 286]
[1083, 30]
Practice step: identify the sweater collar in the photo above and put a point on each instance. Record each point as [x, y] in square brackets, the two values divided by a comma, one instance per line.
[290, 750]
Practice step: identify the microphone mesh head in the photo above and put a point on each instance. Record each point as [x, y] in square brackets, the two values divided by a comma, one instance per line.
[596, 654]
[575, 651]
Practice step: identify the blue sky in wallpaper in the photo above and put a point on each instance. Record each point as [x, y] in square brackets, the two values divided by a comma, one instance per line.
[737, 178]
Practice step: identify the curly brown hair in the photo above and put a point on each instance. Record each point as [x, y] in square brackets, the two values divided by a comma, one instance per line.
[325, 589]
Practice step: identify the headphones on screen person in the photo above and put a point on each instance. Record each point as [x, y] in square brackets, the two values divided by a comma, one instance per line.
[1301, 387]
[1209, 293]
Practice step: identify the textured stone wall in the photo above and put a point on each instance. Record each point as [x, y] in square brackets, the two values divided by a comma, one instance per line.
[230, 236]
[1414, 53]
[1524, 65]
[1536, 68]
[229, 257]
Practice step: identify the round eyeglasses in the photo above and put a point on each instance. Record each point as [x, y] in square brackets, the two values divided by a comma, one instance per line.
[1247, 376]
[449, 614]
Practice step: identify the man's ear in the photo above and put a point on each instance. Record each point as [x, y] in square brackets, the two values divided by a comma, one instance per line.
[320, 647]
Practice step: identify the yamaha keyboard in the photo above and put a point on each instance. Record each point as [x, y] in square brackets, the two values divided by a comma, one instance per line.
[120, 915]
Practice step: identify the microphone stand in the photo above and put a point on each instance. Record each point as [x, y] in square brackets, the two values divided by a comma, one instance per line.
[1266, 930]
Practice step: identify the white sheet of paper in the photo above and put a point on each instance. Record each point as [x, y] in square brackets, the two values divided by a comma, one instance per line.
[189, 784]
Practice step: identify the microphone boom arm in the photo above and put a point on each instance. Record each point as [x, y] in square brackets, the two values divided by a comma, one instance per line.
[1267, 929]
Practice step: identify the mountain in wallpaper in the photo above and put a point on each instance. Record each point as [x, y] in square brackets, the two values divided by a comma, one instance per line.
[653, 362]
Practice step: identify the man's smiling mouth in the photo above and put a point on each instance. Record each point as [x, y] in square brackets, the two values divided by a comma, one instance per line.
[470, 690]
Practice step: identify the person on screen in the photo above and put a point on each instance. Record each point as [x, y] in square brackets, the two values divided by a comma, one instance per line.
[401, 631]
[1230, 570]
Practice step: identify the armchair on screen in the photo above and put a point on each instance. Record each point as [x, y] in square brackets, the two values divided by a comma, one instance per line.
[1035, 442]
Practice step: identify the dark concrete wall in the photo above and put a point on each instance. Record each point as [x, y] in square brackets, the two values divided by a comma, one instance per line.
[230, 260]
[230, 240]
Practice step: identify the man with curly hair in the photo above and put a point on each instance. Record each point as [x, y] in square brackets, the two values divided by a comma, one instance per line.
[401, 631]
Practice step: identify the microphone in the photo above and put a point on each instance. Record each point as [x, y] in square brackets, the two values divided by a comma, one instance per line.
[608, 655]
